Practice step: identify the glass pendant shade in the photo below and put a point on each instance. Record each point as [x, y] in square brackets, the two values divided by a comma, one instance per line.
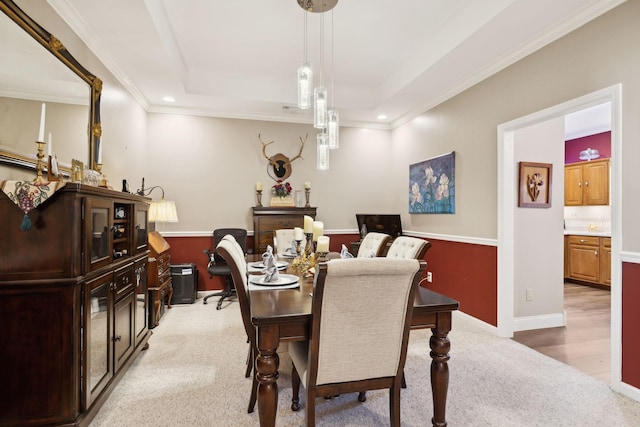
[323, 152]
[320, 107]
[333, 129]
[305, 83]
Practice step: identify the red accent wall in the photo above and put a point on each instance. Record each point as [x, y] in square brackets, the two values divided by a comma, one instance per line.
[463, 271]
[630, 324]
[468, 273]
[599, 141]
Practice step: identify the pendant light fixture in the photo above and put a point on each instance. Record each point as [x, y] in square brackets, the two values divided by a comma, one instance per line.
[320, 92]
[305, 75]
[333, 118]
[322, 153]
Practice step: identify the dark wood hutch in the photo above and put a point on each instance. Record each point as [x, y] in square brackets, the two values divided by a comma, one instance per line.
[73, 303]
[268, 219]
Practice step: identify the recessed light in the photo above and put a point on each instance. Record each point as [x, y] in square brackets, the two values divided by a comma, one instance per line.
[381, 117]
[168, 99]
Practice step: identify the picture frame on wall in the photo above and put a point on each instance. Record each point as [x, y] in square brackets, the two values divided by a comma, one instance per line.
[534, 189]
[432, 187]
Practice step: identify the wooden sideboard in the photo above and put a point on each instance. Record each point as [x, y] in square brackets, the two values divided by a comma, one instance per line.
[73, 303]
[268, 219]
[159, 277]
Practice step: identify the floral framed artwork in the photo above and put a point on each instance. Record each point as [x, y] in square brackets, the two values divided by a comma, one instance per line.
[432, 187]
[534, 189]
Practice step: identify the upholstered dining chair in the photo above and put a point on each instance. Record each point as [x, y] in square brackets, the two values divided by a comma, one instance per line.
[345, 353]
[217, 265]
[408, 247]
[233, 254]
[373, 245]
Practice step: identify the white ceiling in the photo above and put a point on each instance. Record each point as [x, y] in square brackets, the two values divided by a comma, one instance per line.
[239, 59]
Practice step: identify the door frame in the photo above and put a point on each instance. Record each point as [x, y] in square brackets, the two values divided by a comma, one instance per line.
[507, 191]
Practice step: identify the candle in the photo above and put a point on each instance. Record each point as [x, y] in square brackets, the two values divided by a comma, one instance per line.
[99, 151]
[297, 233]
[308, 224]
[41, 133]
[49, 149]
[307, 185]
[258, 186]
[323, 244]
[318, 230]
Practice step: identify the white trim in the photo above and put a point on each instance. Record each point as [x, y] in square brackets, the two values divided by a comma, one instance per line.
[632, 257]
[627, 390]
[543, 321]
[506, 188]
[477, 322]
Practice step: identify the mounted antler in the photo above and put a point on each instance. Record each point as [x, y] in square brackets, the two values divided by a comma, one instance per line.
[299, 155]
[279, 163]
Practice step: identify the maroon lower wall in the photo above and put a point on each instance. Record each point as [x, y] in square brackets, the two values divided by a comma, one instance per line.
[463, 271]
[630, 324]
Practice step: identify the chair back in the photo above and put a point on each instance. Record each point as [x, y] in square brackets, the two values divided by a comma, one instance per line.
[408, 248]
[283, 238]
[233, 254]
[361, 316]
[239, 234]
[373, 245]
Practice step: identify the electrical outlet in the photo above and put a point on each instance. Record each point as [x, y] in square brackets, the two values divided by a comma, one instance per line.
[529, 295]
[429, 277]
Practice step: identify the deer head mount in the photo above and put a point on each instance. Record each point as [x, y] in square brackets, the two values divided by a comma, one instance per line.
[279, 164]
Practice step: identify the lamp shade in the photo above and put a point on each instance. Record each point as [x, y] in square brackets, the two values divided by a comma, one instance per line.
[163, 211]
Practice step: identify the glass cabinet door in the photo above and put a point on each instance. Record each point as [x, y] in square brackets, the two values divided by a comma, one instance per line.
[98, 223]
[141, 227]
[98, 309]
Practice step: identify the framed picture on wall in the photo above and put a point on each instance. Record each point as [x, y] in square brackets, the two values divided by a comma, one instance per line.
[534, 189]
[432, 187]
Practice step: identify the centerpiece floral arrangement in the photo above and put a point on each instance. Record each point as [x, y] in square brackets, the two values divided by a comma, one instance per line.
[281, 189]
[303, 265]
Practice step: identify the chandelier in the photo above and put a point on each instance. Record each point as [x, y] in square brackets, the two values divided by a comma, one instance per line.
[325, 117]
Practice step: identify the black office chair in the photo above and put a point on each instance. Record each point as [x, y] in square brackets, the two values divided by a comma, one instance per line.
[217, 265]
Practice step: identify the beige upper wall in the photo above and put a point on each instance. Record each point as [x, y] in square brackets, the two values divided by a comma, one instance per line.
[370, 170]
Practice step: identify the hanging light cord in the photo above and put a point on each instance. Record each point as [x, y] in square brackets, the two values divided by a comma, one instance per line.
[305, 37]
[332, 59]
[322, 49]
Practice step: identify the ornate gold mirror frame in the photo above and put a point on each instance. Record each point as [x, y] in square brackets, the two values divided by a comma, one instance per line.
[53, 45]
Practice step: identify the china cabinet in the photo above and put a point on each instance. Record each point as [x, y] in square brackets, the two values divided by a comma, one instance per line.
[74, 303]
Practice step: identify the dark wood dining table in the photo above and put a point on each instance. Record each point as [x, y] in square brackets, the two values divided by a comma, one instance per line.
[285, 315]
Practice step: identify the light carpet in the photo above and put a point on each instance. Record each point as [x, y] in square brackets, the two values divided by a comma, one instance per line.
[193, 375]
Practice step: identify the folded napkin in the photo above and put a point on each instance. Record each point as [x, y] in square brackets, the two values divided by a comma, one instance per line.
[344, 253]
[270, 269]
[293, 249]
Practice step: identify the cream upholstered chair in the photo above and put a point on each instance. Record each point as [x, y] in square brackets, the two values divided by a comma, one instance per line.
[357, 347]
[282, 239]
[232, 253]
[373, 245]
[408, 247]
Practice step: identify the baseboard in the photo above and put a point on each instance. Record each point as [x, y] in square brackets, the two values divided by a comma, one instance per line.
[627, 390]
[479, 323]
[528, 323]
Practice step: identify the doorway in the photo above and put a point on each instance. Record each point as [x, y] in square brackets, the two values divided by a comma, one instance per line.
[507, 179]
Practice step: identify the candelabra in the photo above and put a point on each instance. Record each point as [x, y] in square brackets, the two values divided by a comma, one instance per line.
[39, 165]
[259, 195]
[321, 256]
[306, 195]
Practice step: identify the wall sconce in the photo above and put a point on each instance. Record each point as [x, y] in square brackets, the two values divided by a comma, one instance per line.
[160, 210]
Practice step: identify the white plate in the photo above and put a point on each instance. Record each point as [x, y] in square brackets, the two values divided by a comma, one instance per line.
[287, 255]
[253, 287]
[284, 279]
[259, 265]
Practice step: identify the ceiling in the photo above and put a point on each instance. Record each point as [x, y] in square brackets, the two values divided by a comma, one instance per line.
[395, 58]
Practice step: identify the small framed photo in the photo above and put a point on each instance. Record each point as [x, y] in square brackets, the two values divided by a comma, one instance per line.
[77, 171]
[534, 190]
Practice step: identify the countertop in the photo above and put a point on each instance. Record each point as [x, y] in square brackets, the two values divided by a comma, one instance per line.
[595, 233]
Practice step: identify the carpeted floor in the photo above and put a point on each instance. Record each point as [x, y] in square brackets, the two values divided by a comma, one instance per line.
[193, 375]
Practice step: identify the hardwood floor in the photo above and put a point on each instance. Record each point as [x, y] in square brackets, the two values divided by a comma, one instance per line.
[585, 342]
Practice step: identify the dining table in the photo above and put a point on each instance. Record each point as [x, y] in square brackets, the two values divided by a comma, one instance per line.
[282, 315]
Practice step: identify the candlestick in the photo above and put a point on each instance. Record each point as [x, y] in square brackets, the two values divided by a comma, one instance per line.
[259, 195]
[41, 133]
[298, 246]
[308, 249]
[39, 165]
[306, 194]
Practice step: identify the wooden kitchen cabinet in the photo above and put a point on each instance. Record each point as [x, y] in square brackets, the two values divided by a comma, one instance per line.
[586, 183]
[588, 259]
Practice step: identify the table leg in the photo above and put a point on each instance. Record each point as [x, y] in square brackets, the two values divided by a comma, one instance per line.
[267, 365]
[440, 345]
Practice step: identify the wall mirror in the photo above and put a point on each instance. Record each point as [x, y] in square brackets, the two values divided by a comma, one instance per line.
[36, 68]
